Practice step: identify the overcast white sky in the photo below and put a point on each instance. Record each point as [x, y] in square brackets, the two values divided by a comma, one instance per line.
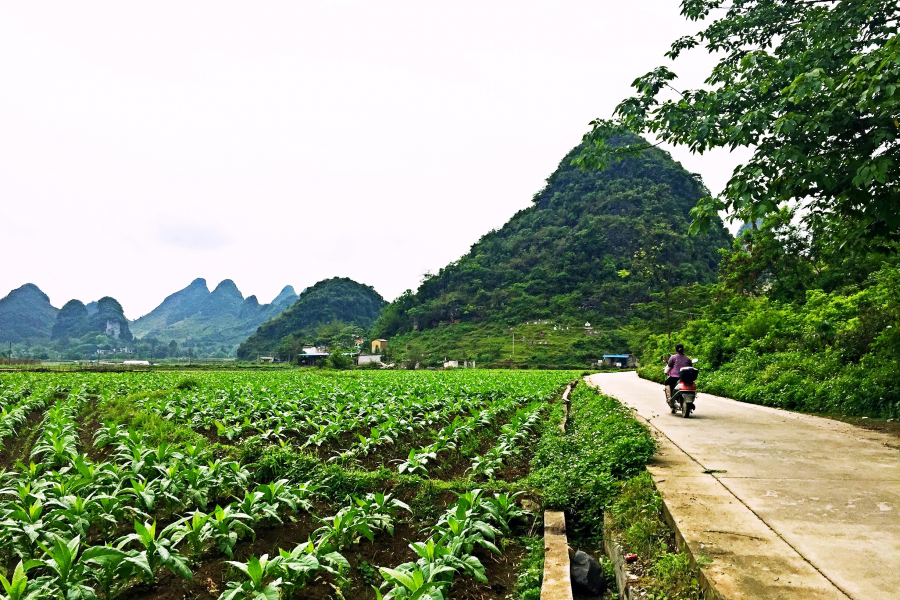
[143, 145]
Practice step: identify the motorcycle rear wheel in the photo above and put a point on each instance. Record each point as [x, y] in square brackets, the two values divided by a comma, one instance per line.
[686, 410]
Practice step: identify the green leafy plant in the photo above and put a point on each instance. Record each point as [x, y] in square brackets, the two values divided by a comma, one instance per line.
[415, 463]
[194, 530]
[416, 583]
[259, 584]
[19, 587]
[227, 525]
[157, 551]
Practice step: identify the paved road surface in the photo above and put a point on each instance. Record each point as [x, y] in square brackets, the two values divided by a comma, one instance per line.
[787, 505]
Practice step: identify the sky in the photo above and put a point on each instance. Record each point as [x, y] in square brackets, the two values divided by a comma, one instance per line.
[143, 145]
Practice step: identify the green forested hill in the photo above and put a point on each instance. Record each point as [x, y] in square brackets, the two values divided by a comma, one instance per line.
[338, 299]
[26, 314]
[591, 246]
[79, 332]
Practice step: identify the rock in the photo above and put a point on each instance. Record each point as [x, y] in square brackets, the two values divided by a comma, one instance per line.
[587, 577]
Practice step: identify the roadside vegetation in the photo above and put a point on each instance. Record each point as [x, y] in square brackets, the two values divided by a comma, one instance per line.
[794, 325]
[580, 470]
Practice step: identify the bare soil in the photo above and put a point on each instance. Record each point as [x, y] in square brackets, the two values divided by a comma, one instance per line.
[888, 426]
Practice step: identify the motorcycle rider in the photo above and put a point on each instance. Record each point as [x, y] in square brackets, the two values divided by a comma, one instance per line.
[675, 363]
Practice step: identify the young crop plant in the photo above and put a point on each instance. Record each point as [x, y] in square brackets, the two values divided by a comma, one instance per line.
[194, 531]
[380, 510]
[504, 510]
[227, 526]
[298, 567]
[435, 552]
[156, 552]
[259, 583]
[23, 528]
[414, 583]
[449, 550]
[415, 463]
[19, 587]
[68, 571]
[257, 508]
[343, 529]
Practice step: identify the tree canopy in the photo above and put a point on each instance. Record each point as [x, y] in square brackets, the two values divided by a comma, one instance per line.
[812, 86]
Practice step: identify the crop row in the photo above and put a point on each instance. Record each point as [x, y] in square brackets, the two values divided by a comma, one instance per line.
[98, 509]
[474, 521]
[15, 406]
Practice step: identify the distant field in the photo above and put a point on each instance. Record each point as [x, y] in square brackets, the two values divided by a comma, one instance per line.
[150, 483]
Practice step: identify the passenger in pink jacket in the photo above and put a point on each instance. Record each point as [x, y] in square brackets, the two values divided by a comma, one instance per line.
[675, 364]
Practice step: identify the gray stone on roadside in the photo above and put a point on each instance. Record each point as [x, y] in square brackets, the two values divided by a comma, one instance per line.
[587, 576]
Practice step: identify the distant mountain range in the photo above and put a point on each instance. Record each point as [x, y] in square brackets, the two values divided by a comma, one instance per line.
[199, 317]
[193, 317]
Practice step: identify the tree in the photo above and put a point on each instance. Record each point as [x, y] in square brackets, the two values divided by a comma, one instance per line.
[773, 258]
[661, 262]
[812, 86]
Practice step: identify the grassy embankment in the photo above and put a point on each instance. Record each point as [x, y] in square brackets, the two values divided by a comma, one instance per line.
[491, 345]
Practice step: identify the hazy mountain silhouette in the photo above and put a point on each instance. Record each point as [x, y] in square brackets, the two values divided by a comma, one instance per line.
[198, 317]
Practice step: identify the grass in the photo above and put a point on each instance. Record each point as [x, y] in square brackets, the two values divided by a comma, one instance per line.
[491, 345]
[126, 410]
[580, 470]
[531, 570]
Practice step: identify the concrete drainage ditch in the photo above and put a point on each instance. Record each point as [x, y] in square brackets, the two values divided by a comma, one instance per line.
[557, 581]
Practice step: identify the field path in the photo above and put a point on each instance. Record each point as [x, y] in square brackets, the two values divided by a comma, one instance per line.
[786, 505]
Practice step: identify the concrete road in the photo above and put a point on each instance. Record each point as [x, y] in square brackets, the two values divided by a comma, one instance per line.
[786, 505]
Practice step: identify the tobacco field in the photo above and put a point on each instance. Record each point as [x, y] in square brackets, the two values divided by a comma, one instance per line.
[268, 485]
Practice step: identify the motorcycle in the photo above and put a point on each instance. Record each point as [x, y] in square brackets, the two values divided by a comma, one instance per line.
[685, 392]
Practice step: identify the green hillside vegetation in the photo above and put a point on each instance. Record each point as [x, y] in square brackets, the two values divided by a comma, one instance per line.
[337, 300]
[796, 324]
[205, 323]
[78, 333]
[593, 245]
[26, 315]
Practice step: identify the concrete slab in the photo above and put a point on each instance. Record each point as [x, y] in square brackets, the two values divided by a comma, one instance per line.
[557, 584]
[786, 505]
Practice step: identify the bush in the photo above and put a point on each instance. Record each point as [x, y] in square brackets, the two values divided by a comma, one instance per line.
[637, 519]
